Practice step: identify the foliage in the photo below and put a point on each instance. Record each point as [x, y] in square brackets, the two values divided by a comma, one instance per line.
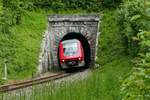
[4, 22]
[109, 40]
[56, 5]
[12, 11]
[137, 86]
[130, 21]
[21, 47]
[111, 3]
[135, 25]
[90, 5]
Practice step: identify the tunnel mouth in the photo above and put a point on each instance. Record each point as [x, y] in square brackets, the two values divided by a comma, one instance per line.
[85, 45]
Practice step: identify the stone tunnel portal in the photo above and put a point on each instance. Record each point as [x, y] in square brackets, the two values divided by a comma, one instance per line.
[62, 27]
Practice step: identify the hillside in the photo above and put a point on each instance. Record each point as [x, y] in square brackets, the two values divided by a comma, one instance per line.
[21, 47]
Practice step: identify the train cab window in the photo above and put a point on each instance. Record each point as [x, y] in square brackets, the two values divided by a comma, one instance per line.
[70, 49]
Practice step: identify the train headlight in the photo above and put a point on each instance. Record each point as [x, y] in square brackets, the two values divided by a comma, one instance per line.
[63, 60]
[79, 58]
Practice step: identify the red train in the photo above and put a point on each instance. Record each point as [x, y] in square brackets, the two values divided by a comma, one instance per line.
[71, 54]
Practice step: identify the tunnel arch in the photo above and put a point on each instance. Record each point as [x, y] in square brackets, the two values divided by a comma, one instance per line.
[84, 42]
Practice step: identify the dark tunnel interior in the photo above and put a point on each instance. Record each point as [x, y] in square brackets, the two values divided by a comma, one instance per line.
[85, 44]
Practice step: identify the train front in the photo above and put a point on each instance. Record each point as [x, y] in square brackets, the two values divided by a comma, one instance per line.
[71, 54]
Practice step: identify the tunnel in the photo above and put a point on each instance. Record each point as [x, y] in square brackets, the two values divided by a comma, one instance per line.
[85, 45]
[85, 28]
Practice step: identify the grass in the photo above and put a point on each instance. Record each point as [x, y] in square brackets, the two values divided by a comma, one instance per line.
[104, 84]
[21, 47]
[110, 41]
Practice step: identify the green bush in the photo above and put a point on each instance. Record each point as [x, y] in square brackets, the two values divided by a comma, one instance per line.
[11, 13]
[136, 86]
[4, 25]
[17, 11]
[56, 5]
[110, 3]
[130, 22]
[135, 29]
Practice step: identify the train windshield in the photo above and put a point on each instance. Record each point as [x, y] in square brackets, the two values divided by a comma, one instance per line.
[70, 49]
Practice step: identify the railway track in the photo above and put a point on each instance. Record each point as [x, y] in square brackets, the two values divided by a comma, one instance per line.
[28, 83]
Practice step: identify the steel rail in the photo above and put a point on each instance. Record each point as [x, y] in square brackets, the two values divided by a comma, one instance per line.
[28, 83]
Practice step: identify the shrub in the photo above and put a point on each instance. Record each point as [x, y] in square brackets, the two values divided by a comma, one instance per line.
[11, 14]
[130, 21]
[134, 27]
[110, 3]
[4, 22]
[56, 5]
[136, 86]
